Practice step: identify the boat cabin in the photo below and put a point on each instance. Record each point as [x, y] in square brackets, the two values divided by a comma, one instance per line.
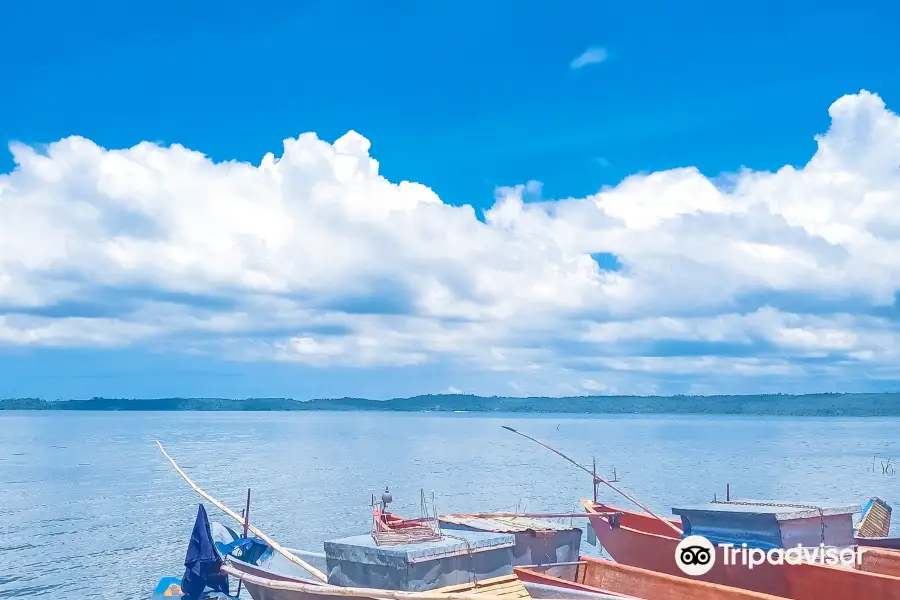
[768, 525]
[538, 542]
[432, 552]
[419, 566]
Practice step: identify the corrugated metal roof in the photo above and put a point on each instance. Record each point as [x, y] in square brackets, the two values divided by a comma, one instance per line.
[505, 524]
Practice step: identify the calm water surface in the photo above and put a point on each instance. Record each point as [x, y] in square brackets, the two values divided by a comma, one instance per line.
[90, 508]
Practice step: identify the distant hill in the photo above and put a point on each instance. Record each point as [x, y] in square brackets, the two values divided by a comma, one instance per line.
[855, 405]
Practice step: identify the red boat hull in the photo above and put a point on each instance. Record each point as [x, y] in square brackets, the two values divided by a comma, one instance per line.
[643, 541]
[596, 575]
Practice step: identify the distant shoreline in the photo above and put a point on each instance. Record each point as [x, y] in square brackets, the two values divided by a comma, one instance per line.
[813, 405]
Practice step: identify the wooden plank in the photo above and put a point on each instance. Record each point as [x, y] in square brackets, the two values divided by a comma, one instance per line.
[496, 591]
[507, 587]
[479, 585]
[464, 587]
[506, 593]
[500, 584]
[503, 588]
[521, 593]
[506, 590]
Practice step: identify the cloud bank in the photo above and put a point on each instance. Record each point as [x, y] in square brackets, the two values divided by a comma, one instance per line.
[788, 278]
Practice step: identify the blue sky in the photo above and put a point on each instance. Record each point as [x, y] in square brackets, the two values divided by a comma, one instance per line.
[469, 99]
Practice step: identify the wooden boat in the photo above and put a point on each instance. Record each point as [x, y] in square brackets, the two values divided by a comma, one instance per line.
[643, 541]
[508, 587]
[266, 564]
[261, 588]
[359, 554]
[394, 565]
[398, 556]
[606, 577]
[268, 584]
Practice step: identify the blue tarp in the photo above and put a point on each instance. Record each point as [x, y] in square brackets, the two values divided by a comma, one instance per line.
[202, 562]
[250, 550]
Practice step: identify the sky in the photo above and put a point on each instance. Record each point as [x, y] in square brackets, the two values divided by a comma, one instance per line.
[319, 199]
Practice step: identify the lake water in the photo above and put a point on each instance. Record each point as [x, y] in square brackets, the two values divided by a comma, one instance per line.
[90, 508]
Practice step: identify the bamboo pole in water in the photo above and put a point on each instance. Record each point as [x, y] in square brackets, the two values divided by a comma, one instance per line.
[597, 478]
[275, 545]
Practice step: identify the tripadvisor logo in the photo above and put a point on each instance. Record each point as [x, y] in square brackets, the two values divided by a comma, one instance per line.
[695, 555]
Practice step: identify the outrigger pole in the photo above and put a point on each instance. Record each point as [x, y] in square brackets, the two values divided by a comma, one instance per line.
[598, 479]
[245, 522]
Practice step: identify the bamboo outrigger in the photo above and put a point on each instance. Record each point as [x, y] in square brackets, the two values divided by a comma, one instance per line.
[244, 521]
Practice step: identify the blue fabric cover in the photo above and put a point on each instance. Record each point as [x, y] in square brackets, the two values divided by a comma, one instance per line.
[202, 562]
[249, 550]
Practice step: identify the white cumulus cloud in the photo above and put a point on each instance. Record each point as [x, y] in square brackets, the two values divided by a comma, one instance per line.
[786, 277]
[591, 56]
